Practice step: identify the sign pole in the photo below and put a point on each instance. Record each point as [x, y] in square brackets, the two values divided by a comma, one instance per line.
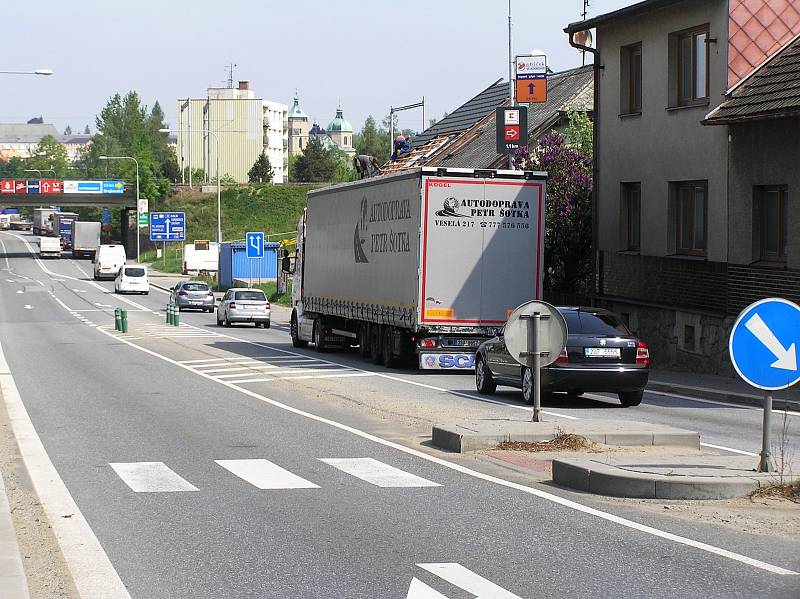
[766, 458]
[532, 353]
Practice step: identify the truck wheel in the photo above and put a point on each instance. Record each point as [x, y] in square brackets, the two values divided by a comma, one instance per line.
[376, 343]
[631, 398]
[387, 347]
[364, 340]
[295, 333]
[319, 335]
[484, 381]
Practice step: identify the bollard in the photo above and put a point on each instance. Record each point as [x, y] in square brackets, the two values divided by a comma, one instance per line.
[117, 319]
[124, 318]
[176, 316]
[169, 313]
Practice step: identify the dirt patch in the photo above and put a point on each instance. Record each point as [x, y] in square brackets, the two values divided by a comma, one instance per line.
[790, 491]
[45, 568]
[561, 442]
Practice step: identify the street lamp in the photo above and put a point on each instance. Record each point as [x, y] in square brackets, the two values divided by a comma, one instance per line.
[33, 170]
[219, 202]
[138, 227]
[36, 72]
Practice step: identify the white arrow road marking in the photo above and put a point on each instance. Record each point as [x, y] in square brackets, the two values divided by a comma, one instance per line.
[28, 307]
[465, 579]
[787, 358]
[420, 590]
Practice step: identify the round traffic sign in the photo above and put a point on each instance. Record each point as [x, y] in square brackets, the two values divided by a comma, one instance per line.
[763, 344]
[551, 337]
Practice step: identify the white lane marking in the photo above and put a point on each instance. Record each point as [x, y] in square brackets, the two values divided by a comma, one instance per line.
[731, 449]
[151, 477]
[10, 280]
[221, 360]
[271, 373]
[263, 474]
[20, 291]
[28, 307]
[5, 255]
[465, 579]
[419, 590]
[567, 503]
[723, 403]
[377, 473]
[324, 376]
[79, 290]
[242, 381]
[242, 366]
[92, 571]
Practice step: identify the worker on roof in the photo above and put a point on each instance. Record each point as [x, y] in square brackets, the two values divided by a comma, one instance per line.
[401, 147]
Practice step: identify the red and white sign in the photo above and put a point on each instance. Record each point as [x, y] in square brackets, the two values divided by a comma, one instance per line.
[51, 186]
[20, 187]
[7, 186]
[511, 133]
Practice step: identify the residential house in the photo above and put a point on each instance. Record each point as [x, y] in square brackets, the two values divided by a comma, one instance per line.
[682, 208]
[20, 140]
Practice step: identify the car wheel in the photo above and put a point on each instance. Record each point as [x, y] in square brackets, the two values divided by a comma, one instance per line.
[226, 321]
[631, 398]
[387, 347]
[484, 381]
[219, 320]
[319, 335]
[527, 386]
[364, 340]
[266, 325]
[295, 333]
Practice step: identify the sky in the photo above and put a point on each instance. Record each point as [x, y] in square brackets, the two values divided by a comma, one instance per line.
[367, 55]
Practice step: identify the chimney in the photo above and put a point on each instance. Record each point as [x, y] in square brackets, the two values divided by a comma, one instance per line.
[244, 85]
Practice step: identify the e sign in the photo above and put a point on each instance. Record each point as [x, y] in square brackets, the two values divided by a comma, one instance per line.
[512, 128]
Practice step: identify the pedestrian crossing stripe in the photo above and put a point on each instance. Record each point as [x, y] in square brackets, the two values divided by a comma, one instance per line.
[377, 473]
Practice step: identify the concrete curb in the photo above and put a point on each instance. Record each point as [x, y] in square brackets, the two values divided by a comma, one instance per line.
[604, 479]
[13, 581]
[720, 395]
[471, 436]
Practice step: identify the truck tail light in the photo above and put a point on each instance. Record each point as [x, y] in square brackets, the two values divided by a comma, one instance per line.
[427, 343]
[642, 354]
[563, 357]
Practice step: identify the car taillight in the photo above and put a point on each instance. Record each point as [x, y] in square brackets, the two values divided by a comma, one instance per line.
[563, 357]
[184, 265]
[642, 354]
[210, 294]
[232, 305]
[182, 293]
[427, 343]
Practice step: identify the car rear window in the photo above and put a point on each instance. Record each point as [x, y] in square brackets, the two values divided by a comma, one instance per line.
[134, 272]
[590, 323]
[195, 287]
[251, 295]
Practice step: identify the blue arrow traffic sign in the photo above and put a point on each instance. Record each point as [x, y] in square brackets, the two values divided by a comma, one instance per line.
[255, 244]
[764, 342]
[167, 226]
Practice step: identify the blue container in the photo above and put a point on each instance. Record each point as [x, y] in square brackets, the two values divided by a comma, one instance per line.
[234, 263]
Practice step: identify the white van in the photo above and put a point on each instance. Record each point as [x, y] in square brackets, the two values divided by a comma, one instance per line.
[108, 260]
[196, 260]
[132, 278]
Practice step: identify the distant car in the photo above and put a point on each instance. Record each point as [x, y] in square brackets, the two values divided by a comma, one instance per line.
[601, 355]
[108, 259]
[132, 278]
[244, 305]
[193, 295]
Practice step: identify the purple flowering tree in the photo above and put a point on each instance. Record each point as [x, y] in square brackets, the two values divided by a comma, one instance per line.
[568, 213]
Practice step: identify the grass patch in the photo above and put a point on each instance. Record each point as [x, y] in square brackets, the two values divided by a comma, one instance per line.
[271, 291]
[561, 442]
[790, 491]
[172, 262]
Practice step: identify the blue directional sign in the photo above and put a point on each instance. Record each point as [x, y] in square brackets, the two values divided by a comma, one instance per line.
[764, 342]
[167, 226]
[33, 186]
[255, 244]
[113, 187]
[105, 217]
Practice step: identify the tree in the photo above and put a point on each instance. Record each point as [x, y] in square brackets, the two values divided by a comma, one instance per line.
[49, 155]
[579, 131]
[316, 163]
[568, 213]
[261, 171]
[372, 141]
[68, 130]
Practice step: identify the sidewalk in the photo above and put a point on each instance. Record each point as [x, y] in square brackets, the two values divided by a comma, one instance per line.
[13, 583]
[708, 386]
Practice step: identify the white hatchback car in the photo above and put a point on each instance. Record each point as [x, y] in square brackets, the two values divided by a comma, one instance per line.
[132, 278]
[244, 305]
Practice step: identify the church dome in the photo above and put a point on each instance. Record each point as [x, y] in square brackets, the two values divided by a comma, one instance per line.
[295, 112]
[339, 123]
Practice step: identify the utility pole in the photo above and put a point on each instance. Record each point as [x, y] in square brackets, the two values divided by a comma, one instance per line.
[510, 81]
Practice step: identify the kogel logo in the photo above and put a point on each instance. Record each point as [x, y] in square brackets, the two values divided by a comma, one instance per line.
[447, 361]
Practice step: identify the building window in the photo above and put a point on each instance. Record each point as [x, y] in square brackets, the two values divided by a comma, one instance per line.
[771, 218]
[692, 213]
[631, 92]
[692, 65]
[345, 140]
[632, 209]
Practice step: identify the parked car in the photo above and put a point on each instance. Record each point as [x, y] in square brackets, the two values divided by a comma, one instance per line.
[601, 355]
[132, 278]
[193, 295]
[244, 305]
[108, 259]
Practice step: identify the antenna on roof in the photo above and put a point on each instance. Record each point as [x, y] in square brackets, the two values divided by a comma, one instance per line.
[583, 14]
[230, 68]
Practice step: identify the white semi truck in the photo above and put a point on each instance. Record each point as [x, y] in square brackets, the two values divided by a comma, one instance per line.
[422, 265]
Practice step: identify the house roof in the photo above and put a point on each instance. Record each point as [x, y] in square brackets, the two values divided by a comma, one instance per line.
[475, 147]
[466, 115]
[26, 133]
[628, 11]
[771, 91]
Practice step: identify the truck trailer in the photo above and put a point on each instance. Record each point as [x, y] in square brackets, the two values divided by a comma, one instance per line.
[42, 221]
[85, 238]
[423, 265]
[62, 227]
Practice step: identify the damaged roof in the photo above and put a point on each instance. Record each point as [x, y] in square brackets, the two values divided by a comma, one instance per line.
[771, 91]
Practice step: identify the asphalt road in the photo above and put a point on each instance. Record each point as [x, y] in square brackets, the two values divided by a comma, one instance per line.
[216, 462]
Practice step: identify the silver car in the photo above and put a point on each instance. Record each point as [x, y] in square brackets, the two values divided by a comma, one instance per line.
[244, 305]
[193, 295]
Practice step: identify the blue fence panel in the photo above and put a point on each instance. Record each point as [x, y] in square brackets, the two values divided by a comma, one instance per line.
[234, 263]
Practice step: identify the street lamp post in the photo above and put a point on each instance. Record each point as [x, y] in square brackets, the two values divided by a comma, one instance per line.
[36, 72]
[33, 170]
[219, 202]
[138, 227]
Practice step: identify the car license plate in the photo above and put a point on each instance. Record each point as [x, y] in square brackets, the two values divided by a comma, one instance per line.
[196, 303]
[601, 352]
[463, 342]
